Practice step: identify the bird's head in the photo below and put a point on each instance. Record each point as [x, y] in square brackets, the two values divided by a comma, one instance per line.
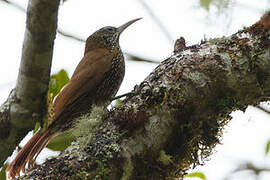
[106, 37]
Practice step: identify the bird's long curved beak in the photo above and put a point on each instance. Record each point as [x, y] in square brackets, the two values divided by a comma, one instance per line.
[124, 26]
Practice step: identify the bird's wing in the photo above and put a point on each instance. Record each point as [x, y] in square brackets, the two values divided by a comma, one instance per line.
[86, 76]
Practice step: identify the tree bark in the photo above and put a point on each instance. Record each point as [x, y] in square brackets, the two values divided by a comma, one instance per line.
[176, 117]
[27, 103]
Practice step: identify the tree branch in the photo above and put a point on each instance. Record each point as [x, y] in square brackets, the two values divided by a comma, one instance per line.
[176, 117]
[248, 166]
[27, 104]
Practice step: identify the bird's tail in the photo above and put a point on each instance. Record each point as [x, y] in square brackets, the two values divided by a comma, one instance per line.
[29, 153]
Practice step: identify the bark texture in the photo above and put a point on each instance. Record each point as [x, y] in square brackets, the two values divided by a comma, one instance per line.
[176, 117]
[27, 103]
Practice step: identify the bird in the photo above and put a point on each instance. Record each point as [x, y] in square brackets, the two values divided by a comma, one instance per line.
[95, 81]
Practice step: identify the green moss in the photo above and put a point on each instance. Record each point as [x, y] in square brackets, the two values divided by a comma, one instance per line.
[95, 170]
[81, 175]
[83, 129]
[224, 101]
[118, 103]
[214, 40]
[164, 158]
[103, 172]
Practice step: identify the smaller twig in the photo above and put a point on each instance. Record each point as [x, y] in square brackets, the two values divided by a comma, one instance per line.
[158, 22]
[139, 59]
[250, 167]
[65, 34]
[262, 109]
[14, 5]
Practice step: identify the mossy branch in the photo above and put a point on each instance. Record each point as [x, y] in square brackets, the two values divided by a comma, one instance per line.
[178, 113]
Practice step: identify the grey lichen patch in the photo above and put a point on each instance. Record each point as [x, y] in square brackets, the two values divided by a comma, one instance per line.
[85, 125]
[74, 152]
[198, 78]
[104, 142]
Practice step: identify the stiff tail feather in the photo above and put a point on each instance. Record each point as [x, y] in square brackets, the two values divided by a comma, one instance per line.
[29, 153]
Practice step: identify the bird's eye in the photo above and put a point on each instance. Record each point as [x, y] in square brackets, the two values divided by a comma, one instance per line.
[110, 28]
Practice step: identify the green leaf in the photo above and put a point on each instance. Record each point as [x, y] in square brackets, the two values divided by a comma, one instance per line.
[61, 142]
[3, 172]
[37, 126]
[197, 175]
[219, 4]
[57, 82]
[267, 148]
[205, 4]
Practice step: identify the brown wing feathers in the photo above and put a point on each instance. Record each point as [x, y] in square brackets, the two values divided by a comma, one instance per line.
[85, 77]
